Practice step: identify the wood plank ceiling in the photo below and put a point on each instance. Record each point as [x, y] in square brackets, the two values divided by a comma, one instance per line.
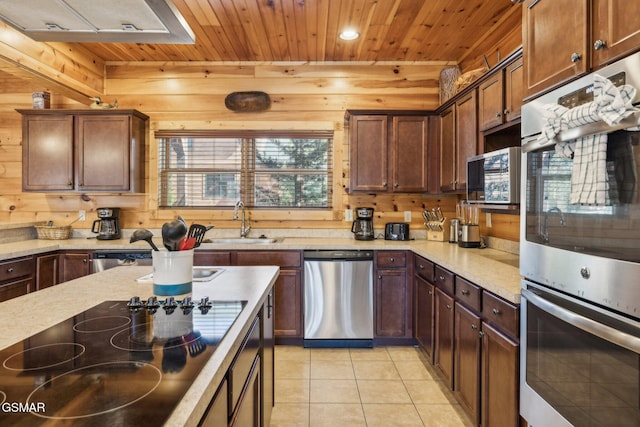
[307, 30]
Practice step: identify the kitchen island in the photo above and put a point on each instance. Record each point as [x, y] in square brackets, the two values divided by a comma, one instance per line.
[30, 314]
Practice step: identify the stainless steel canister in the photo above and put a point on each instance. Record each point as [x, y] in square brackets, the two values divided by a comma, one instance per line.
[454, 226]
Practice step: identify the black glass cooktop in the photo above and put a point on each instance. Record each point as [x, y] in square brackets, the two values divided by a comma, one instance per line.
[118, 363]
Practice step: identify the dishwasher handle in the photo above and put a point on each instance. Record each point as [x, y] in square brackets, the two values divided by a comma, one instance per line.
[338, 255]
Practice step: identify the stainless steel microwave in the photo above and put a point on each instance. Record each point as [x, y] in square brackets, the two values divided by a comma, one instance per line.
[494, 177]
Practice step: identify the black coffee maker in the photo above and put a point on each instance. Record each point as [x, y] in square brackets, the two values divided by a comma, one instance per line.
[107, 227]
[362, 227]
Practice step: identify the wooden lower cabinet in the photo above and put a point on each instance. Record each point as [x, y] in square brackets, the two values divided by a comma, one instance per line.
[16, 277]
[424, 315]
[217, 412]
[500, 373]
[74, 264]
[444, 333]
[288, 309]
[467, 361]
[247, 413]
[47, 270]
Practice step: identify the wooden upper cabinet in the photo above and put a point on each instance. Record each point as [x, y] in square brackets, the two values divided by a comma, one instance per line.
[513, 90]
[409, 153]
[78, 150]
[388, 153]
[616, 30]
[500, 96]
[554, 39]
[47, 153]
[368, 141]
[448, 149]
[466, 136]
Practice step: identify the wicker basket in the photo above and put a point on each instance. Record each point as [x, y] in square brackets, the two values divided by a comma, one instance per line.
[53, 232]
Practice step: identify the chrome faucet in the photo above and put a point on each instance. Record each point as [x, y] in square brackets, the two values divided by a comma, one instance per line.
[245, 223]
[545, 231]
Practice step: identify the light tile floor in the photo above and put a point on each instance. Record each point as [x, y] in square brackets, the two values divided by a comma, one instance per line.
[383, 386]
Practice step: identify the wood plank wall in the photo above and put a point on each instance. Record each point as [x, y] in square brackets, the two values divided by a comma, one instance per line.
[191, 96]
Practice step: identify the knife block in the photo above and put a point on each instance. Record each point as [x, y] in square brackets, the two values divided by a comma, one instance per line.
[438, 231]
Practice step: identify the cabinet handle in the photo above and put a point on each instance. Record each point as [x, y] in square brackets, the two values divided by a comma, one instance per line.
[392, 260]
[498, 114]
[421, 267]
[506, 111]
[430, 292]
[495, 311]
[465, 292]
[575, 57]
[441, 278]
[10, 270]
[395, 185]
[599, 44]
[85, 260]
[384, 184]
[380, 277]
[448, 306]
[480, 334]
[474, 326]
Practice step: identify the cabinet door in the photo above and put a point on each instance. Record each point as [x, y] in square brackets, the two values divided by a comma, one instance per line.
[448, 149]
[555, 38]
[268, 359]
[103, 152]
[616, 30]
[433, 151]
[444, 336]
[74, 265]
[424, 315]
[288, 309]
[466, 137]
[467, 361]
[47, 270]
[409, 153]
[391, 304]
[499, 379]
[514, 90]
[47, 152]
[490, 102]
[248, 410]
[217, 413]
[368, 139]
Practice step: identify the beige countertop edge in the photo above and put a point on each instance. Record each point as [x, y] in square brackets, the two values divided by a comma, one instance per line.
[491, 269]
[34, 313]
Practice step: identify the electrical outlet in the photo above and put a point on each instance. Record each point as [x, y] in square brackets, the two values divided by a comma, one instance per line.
[488, 219]
[82, 215]
[407, 216]
[348, 215]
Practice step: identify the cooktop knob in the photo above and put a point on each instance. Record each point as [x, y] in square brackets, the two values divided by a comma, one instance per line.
[152, 302]
[204, 302]
[186, 303]
[170, 302]
[135, 303]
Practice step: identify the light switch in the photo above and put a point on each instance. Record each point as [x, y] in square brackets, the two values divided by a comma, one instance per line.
[348, 215]
[488, 219]
[407, 216]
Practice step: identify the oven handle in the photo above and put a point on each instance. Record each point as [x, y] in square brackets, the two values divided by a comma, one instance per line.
[630, 122]
[605, 332]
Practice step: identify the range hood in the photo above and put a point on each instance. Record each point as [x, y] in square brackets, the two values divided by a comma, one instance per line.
[98, 21]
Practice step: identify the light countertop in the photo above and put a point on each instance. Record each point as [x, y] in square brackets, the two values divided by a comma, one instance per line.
[491, 269]
[34, 312]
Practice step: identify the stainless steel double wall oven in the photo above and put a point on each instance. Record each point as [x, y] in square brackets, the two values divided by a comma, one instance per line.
[580, 252]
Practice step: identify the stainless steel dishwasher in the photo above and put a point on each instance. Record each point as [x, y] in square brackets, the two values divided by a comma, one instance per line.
[338, 298]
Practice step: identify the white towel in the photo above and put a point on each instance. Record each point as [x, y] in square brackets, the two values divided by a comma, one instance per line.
[589, 179]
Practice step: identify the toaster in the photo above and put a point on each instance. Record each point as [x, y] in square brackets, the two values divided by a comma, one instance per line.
[396, 231]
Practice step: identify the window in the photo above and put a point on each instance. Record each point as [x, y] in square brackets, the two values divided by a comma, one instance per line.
[263, 169]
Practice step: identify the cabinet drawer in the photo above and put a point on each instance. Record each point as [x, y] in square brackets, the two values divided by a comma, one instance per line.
[206, 258]
[391, 259]
[242, 364]
[424, 268]
[469, 294]
[280, 258]
[16, 268]
[15, 289]
[500, 313]
[443, 279]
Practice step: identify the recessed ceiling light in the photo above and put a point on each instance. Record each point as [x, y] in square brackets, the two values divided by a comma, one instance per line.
[349, 34]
